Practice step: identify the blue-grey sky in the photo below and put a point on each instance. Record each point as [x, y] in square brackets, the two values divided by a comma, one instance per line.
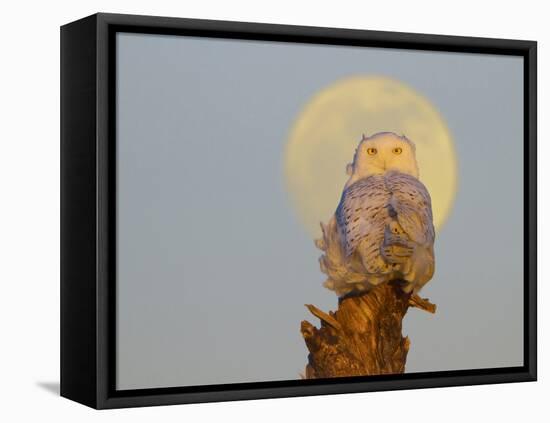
[214, 267]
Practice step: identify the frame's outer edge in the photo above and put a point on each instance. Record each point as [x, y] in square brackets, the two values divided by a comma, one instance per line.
[320, 35]
[78, 212]
[87, 239]
[530, 123]
[106, 236]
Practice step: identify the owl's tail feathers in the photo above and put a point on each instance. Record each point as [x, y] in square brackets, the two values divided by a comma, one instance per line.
[340, 278]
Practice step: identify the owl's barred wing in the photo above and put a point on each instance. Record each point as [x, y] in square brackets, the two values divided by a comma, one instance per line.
[361, 217]
[411, 203]
[369, 207]
[382, 230]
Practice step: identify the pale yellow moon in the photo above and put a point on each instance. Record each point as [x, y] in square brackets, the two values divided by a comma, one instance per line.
[329, 127]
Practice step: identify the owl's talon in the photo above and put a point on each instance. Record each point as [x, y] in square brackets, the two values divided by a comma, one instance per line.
[392, 235]
[395, 239]
[396, 254]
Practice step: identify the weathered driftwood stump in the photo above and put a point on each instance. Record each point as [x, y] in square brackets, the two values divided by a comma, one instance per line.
[363, 337]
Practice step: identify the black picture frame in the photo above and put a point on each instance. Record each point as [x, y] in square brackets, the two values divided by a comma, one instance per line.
[88, 194]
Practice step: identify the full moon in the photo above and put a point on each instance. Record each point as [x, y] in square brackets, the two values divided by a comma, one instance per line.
[324, 136]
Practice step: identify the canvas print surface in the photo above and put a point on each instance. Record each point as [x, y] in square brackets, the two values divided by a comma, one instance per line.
[290, 211]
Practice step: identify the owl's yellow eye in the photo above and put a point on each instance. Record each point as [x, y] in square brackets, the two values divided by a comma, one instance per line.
[397, 150]
[372, 151]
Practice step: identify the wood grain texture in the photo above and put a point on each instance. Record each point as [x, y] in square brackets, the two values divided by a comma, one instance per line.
[363, 337]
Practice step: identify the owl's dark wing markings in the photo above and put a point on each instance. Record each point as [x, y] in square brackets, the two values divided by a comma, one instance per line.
[361, 218]
[411, 203]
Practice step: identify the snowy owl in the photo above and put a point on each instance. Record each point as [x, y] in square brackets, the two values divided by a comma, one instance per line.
[382, 229]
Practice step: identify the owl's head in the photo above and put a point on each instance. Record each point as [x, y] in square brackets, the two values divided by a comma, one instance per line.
[381, 153]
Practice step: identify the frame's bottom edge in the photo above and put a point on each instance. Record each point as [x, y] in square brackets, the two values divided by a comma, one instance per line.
[123, 401]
